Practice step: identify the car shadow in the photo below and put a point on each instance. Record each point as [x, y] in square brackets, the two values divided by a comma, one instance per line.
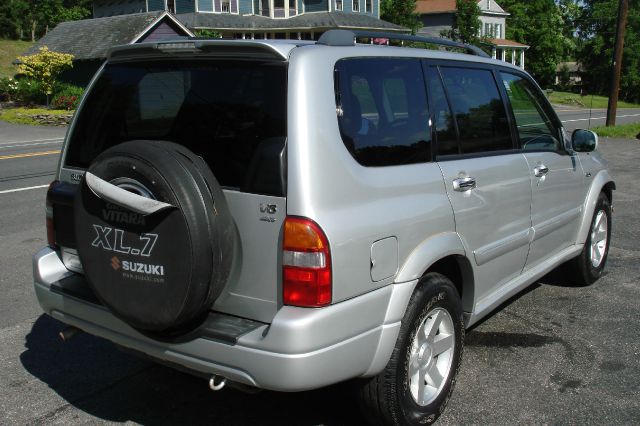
[93, 376]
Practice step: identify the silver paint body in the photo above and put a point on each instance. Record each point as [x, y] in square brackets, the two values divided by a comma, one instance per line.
[386, 227]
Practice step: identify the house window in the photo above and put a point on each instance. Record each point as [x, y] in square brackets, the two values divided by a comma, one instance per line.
[487, 30]
[338, 4]
[498, 31]
[226, 6]
[368, 6]
[171, 6]
[355, 5]
[264, 7]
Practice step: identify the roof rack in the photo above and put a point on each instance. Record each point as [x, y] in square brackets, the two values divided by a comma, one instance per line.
[348, 38]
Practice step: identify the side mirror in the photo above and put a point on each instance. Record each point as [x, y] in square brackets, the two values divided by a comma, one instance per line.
[584, 140]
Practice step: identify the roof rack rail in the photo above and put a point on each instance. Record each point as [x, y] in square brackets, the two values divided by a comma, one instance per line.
[348, 38]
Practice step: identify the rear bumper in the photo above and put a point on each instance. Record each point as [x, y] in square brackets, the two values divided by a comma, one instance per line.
[301, 349]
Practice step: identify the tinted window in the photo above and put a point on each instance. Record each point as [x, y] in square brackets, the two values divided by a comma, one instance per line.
[478, 109]
[443, 121]
[382, 111]
[536, 128]
[233, 114]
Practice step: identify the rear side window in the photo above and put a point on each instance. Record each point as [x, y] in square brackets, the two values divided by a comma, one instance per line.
[382, 111]
[478, 110]
[231, 113]
[536, 127]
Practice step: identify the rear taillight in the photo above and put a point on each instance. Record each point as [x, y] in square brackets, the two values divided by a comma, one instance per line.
[51, 230]
[307, 264]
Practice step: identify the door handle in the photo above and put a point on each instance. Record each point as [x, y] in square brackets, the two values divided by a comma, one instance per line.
[464, 184]
[540, 170]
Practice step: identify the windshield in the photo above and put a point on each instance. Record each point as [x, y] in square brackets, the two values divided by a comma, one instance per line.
[224, 111]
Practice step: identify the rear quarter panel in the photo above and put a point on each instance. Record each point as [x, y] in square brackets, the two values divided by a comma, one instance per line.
[354, 205]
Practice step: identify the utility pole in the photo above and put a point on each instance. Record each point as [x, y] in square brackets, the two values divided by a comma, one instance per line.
[612, 108]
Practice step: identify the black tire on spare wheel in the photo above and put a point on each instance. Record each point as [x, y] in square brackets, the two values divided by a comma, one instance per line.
[158, 272]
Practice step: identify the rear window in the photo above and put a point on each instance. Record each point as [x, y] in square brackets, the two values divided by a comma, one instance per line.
[382, 110]
[232, 113]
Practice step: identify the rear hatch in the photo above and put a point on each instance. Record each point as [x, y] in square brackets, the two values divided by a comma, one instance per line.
[230, 112]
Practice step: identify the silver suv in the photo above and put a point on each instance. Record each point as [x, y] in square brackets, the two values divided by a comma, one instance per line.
[288, 215]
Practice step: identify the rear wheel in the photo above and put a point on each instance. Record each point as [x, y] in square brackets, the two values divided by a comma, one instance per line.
[418, 380]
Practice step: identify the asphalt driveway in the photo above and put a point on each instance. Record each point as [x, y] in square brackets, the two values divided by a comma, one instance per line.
[553, 354]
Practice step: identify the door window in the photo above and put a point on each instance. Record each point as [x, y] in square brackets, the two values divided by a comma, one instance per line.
[535, 124]
[478, 110]
[442, 119]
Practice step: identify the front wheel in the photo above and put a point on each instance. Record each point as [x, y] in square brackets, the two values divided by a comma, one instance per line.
[417, 382]
[589, 265]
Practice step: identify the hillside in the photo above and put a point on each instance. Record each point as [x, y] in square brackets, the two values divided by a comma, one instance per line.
[9, 50]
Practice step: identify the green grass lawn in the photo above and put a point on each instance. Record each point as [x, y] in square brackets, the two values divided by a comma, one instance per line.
[25, 115]
[9, 51]
[574, 99]
[626, 131]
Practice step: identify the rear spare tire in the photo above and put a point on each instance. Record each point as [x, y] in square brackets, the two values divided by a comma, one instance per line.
[157, 265]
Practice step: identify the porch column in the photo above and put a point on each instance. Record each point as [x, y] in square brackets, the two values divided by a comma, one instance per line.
[493, 52]
[513, 57]
[522, 59]
[503, 54]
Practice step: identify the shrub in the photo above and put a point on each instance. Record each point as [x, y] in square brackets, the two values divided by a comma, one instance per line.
[44, 67]
[66, 96]
[8, 89]
[28, 91]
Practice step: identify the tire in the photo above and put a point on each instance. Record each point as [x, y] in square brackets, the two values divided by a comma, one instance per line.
[394, 397]
[159, 273]
[587, 267]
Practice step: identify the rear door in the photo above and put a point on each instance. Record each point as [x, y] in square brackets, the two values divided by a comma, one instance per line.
[231, 113]
[486, 178]
[555, 175]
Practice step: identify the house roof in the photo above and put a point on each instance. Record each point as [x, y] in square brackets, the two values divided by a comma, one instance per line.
[92, 38]
[425, 7]
[500, 42]
[571, 66]
[317, 21]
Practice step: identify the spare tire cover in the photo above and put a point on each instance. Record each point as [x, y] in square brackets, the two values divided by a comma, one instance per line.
[158, 272]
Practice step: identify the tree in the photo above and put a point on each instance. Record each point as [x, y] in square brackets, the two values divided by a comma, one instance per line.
[38, 16]
[597, 34]
[570, 11]
[12, 13]
[467, 23]
[400, 12]
[540, 25]
[44, 67]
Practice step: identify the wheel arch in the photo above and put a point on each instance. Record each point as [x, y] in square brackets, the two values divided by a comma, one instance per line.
[443, 253]
[603, 182]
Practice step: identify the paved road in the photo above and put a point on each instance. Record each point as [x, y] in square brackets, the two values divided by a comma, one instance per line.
[553, 354]
[28, 155]
[577, 118]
